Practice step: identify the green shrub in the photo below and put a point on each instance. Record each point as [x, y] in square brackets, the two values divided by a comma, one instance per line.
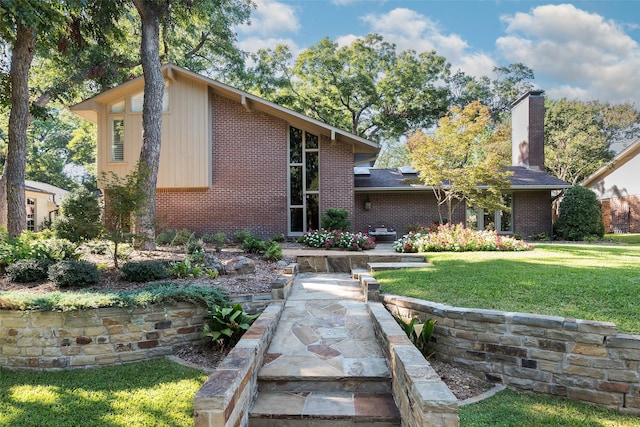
[145, 271]
[225, 325]
[183, 237]
[254, 245]
[242, 235]
[193, 246]
[273, 252]
[80, 216]
[580, 216]
[341, 240]
[28, 270]
[58, 249]
[335, 219]
[97, 247]
[278, 238]
[166, 237]
[72, 273]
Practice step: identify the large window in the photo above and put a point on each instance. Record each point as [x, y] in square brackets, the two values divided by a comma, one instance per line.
[117, 139]
[501, 220]
[304, 182]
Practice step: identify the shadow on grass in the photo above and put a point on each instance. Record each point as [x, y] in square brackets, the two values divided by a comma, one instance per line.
[151, 393]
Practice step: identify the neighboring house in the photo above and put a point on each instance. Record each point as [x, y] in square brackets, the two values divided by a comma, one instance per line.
[618, 188]
[388, 198]
[230, 160]
[43, 202]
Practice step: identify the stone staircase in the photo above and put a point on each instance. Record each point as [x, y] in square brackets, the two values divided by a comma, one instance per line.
[324, 366]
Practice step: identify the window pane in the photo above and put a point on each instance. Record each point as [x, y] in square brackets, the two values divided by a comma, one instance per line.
[137, 101]
[295, 145]
[489, 220]
[313, 212]
[117, 140]
[295, 189]
[472, 218]
[506, 218]
[297, 220]
[310, 141]
[118, 107]
[312, 171]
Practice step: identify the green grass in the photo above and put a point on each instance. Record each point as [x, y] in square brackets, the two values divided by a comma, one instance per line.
[633, 239]
[511, 409]
[592, 282]
[152, 393]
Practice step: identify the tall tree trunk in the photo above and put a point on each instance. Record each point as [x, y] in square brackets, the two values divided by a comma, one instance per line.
[150, 13]
[14, 170]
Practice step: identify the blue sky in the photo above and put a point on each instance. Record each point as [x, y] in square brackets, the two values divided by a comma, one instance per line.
[586, 50]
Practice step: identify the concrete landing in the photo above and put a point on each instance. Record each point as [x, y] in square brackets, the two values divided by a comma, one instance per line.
[382, 266]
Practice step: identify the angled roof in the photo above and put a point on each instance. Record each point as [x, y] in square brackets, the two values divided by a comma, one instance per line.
[403, 179]
[366, 149]
[620, 159]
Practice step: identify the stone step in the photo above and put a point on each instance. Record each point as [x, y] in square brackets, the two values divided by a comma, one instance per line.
[336, 409]
[370, 385]
[382, 266]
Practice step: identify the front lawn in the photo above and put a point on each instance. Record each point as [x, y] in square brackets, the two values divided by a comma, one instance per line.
[592, 282]
[511, 409]
[154, 393]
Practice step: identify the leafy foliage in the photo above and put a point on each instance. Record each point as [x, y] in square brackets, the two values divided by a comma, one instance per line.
[462, 154]
[254, 245]
[224, 325]
[80, 216]
[420, 334]
[580, 216]
[156, 293]
[273, 252]
[28, 270]
[242, 235]
[457, 238]
[74, 273]
[335, 219]
[145, 271]
[328, 239]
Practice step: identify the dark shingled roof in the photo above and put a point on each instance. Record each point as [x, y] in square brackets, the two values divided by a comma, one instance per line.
[392, 179]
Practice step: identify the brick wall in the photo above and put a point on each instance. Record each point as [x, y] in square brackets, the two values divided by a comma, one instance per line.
[336, 177]
[249, 182]
[577, 359]
[532, 213]
[621, 214]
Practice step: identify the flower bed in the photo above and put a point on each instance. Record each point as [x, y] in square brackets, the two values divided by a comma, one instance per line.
[457, 238]
[329, 239]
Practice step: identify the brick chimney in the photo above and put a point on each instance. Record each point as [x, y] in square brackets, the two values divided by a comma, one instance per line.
[527, 131]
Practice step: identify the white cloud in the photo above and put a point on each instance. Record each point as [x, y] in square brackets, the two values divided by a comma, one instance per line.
[271, 18]
[344, 2]
[409, 29]
[587, 56]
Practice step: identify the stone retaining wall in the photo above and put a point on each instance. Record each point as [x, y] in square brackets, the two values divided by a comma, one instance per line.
[577, 359]
[39, 340]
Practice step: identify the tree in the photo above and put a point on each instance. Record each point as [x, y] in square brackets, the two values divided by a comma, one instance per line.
[460, 161]
[152, 14]
[367, 88]
[80, 216]
[578, 135]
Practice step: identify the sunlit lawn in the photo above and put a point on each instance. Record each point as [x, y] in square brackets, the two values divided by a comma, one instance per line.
[593, 282]
[625, 238]
[152, 393]
[511, 409]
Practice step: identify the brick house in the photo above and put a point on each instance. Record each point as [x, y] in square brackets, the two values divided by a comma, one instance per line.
[386, 198]
[616, 185]
[231, 160]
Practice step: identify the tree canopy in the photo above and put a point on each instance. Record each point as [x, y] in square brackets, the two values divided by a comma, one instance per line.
[460, 161]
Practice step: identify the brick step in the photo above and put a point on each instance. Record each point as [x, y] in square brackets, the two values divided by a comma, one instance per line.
[382, 266]
[336, 409]
[370, 385]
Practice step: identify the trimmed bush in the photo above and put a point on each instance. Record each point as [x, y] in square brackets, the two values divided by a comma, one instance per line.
[335, 219]
[28, 270]
[580, 216]
[73, 273]
[145, 271]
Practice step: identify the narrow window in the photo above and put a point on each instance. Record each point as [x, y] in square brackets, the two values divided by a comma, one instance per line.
[117, 140]
[304, 182]
[31, 214]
